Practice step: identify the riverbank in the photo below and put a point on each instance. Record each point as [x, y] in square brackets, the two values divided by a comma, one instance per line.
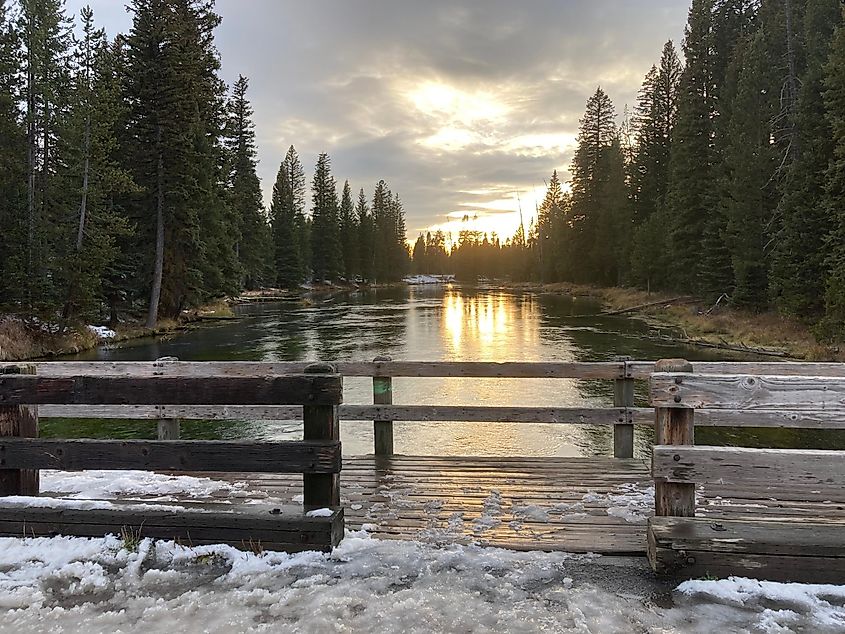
[25, 339]
[702, 323]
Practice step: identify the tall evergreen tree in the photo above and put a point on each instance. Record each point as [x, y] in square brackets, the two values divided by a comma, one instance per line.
[348, 233]
[89, 243]
[175, 122]
[46, 40]
[244, 190]
[550, 225]
[366, 237]
[799, 249]
[326, 256]
[584, 246]
[13, 168]
[833, 324]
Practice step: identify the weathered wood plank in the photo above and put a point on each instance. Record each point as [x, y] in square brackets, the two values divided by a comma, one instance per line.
[247, 526]
[421, 413]
[510, 369]
[322, 457]
[320, 423]
[623, 434]
[18, 421]
[644, 369]
[828, 419]
[673, 427]
[114, 390]
[814, 469]
[747, 392]
[778, 551]
[382, 427]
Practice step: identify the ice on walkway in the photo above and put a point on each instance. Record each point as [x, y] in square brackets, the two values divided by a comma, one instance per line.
[367, 585]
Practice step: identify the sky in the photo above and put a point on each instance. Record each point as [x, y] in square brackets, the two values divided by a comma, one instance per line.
[464, 107]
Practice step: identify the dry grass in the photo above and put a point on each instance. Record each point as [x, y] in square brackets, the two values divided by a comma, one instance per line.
[723, 325]
[18, 341]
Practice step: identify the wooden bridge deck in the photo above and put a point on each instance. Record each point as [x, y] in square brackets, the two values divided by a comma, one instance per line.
[597, 504]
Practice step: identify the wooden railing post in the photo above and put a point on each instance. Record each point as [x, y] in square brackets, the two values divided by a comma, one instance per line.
[20, 421]
[168, 428]
[623, 396]
[320, 422]
[382, 429]
[674, 426]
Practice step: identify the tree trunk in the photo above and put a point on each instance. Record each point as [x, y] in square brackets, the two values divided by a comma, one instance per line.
[155, 291]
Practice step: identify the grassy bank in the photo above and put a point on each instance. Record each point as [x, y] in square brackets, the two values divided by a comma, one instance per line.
[23, 339]
[721, 326]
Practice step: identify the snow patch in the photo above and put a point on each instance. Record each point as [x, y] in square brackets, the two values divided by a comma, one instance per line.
[319, 513]
[103, 332]
[417, 280]
[93, 485]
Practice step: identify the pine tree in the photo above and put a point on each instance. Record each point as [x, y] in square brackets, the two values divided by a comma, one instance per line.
[13, 168]
[550, 229]
[348, 234]
[287, 255]
[45, 35]
[748, 189]
[799, 250]
[582, 246]
[91, 249]
[366, 236]
[691, 181]
[382, 232]
[175, 125]
[833, 324]
[325, 240]
[251, 231]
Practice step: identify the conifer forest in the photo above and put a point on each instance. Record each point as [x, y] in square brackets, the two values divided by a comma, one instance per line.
[128, 183]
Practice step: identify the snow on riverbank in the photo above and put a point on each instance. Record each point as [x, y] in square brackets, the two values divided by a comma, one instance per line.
[367, 585]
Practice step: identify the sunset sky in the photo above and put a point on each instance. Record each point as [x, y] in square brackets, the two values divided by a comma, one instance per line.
[458, 105]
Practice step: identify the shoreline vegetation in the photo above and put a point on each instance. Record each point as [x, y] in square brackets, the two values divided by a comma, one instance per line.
[701, 323]
[682, 320]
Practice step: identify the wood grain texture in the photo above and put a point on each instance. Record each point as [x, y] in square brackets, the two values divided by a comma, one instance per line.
[323, 457]
[382, 426]
[245, 526]
[294, 389]
[420, 413]
[794, 551]
[673, 426]
[815, 470]
[748, 392]
[18, 421]
[510, 369]
[644, 369]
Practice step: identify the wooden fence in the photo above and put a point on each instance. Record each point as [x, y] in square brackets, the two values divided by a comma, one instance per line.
[780, 548]
[317, 391]
[623, 415]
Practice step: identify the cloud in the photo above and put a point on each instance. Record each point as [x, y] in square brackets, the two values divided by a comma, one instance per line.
[456, 103]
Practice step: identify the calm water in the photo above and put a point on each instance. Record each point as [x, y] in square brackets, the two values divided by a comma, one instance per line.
[433, 324]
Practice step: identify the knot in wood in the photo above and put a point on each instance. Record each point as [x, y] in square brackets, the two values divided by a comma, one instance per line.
[320, 368]
[677, 398]
[676, 458]
[749, 381]
[275, 511]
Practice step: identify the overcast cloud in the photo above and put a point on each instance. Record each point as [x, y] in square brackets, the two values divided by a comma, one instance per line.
[457, 104]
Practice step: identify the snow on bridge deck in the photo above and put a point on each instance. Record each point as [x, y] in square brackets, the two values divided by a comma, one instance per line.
[597, 504]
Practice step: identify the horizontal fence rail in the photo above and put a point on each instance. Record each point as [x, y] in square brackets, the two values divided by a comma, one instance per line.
[180, 390]
[748, 392]
[433, 369]
[171, 455]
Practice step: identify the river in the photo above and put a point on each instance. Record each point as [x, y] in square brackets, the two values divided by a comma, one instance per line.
[435, 323]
